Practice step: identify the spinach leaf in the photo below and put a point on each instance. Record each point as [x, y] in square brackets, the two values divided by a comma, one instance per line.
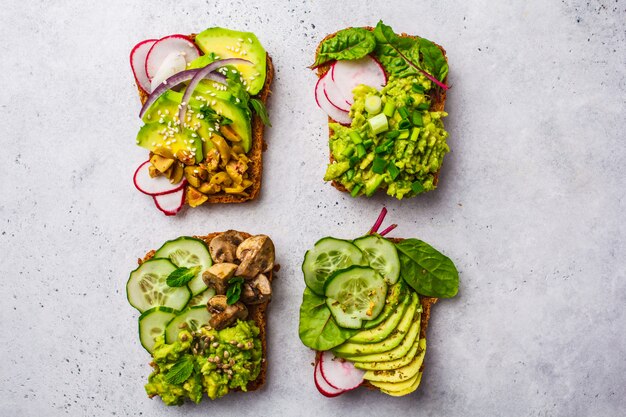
[352, 43]
[181, 276]
[180, 371]
[234, 290]
[427, 270]
[403, 56]
[260, 109]
[318, 329]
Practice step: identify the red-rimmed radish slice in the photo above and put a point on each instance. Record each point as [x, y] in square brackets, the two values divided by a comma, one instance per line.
[333, 94]
[347, 74]
[339, 373]
[170, 203]
[322, 385]
[172, 64]
[154, 186]
[164, 47]
[138, 63]
[339, 116]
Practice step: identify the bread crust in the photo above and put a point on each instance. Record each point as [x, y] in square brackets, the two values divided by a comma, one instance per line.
[257, 312]
[438, 102]
[255, 167]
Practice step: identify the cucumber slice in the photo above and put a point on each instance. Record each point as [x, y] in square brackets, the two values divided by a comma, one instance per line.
[355, 294]
[327, 256]
[195, 318]
[201, 299]
[152, 324]
[147, 287]
[188, 252]
[381, 255]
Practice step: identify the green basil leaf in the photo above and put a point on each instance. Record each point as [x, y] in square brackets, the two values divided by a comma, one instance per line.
[318, 330]
[181, 276]
[180, 371]
[352, 43]
[234, 290]
[427, 270]
[260, 109]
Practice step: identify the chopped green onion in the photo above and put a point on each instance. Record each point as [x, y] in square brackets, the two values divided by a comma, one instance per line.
[404, 124]
[356, 190]
[373, 104]
[392, 134]
[360, 150]
[415, 134]
[350, 174]
[379, 165]
[404, 134]
[390, 108]
[417, 187]
[378, 123]
[393, 170]
[354, 160]
[404, 113]
[367, 143]
[423, 106]
[380, 149]
[348, 152]
[356, 138]
[418, 88]
[417, 119]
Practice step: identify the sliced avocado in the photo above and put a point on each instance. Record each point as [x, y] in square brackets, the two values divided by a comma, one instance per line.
[397, 294]
[390, 342]
[384, 329]
[396, 386]
[389, 365]
[413, 387]
[394, 354]
[181, 144]
[226, 43]
[400, 374]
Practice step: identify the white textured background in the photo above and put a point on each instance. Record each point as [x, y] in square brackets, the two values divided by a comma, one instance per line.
[530, 206]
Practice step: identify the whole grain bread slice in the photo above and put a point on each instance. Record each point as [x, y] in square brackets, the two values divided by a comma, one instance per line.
[438, 97]
[255, 167]
[257, 312]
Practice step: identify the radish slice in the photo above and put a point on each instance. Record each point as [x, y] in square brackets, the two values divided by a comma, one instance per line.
[162, 48]
[332, 93]
[154, 186]
[170, 203]
[323, 386]
[336, 114]
[340, 374]
[172, 64]
[138, 63]
[348, 74]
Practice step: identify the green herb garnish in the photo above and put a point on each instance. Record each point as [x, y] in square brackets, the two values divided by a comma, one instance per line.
[181, 276]
[234, 290]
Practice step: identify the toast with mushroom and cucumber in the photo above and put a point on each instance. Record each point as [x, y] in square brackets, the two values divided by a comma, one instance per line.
[203, 303]
[384, 94]
[366, 307]
[203, 107]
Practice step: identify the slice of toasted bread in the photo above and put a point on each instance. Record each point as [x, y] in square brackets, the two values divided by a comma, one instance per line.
[255, 312]
[255, 167]
[438, 102]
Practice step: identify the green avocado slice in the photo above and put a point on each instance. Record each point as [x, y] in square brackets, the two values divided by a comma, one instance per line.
[390, 342]
[415, 383]
[384, 329]
[400, 374]
[394, 364]
[397, 294]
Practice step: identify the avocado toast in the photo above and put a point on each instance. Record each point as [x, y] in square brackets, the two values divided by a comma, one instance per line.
[366, 307]
[384, 95]
[203, 303]
[216, 155]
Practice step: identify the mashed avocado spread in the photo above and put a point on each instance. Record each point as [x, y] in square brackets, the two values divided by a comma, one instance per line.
[208, 361]
[395, 142]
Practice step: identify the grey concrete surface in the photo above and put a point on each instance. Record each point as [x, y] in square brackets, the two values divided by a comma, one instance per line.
[530, 206]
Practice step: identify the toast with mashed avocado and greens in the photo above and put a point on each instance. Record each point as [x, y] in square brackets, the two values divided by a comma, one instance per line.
[384, 94]
[203, 302]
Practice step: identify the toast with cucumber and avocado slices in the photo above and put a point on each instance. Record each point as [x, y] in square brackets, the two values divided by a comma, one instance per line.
[203, 304]
[204, 114]
[366, 308]
[384, 94]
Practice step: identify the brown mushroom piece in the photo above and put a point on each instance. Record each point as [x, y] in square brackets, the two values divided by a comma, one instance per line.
[223, 247]
[222, 314]
[256, 255]
[256, 291]
[217, 276]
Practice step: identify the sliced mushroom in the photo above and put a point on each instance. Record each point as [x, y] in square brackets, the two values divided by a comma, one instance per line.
[256, 291]
[256, 255]
[222, 314]
[223, 247]
[217, 276]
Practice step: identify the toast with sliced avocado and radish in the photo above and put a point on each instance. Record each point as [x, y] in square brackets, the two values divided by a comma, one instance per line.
[203, 111]
[203, 303]
[384, 95]
[366, 307]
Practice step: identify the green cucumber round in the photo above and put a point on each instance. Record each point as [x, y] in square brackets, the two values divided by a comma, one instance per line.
[147, 287]
[194, 317]
[355, 295]
[152, 324]
[328, 256]
[201, 299]
[381, 255]
[188, 252]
